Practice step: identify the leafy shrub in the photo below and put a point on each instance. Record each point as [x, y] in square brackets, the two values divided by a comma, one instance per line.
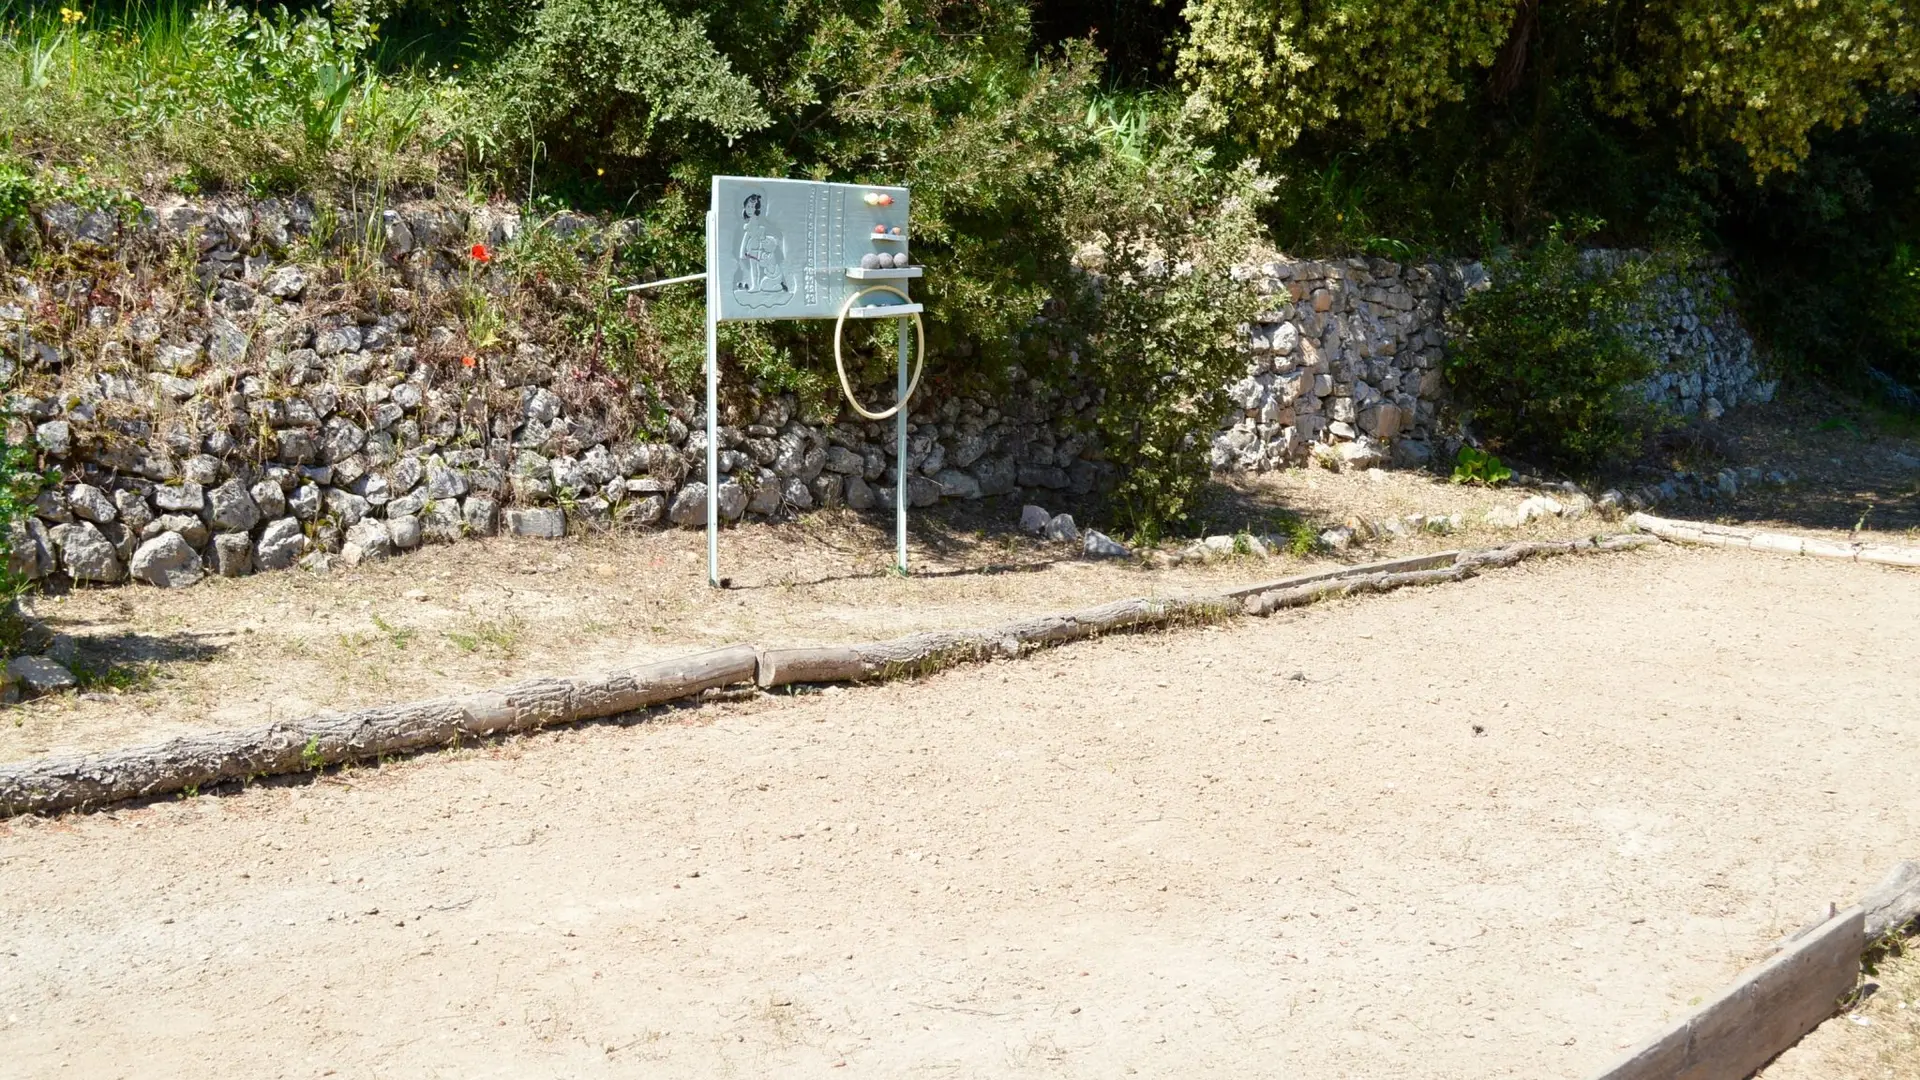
[1156, 328]
[1472, 466]
[1543, 358]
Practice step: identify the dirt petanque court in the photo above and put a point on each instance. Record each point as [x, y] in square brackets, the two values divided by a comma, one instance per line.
[1504, 827]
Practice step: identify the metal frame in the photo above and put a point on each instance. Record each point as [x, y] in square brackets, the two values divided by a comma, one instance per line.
[899, 313]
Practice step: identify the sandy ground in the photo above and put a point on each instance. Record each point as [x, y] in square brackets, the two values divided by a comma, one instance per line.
[455, 618]
[1500, 828]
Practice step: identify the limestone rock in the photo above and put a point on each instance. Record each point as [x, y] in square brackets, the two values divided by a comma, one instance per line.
[1062, 528]
[40, 675]
[1034, 519]
[1099, 545]
[545, 523]
[89, 503]
[167, 561]
[231, 507]
[281, 544]
[232, 554]
[87, 555]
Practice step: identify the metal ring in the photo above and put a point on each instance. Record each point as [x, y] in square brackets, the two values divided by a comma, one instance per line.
[839, 365]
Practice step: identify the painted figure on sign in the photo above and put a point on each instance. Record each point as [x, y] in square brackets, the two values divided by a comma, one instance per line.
[760, 277]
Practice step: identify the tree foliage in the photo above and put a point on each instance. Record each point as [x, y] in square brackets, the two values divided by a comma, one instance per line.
[1762, 76]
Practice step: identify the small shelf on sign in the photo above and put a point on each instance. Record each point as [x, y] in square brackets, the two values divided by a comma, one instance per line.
[884, 311]
[891, 273]
[887, 237]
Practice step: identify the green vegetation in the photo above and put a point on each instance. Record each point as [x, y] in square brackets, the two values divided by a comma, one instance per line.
[1082, 172]
[1474, 466]
[1542, 357]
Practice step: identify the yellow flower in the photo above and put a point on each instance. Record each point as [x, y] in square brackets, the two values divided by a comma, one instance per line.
[70, 16]
[599, 172]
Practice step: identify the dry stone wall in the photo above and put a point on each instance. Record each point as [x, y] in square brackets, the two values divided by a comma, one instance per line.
[219, 402]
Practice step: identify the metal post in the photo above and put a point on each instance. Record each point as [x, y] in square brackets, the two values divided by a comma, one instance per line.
[900, 442]
[713, 407]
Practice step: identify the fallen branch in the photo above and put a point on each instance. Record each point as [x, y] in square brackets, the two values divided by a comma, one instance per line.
[1737, 536]
[1463, 564]
[50, 784]
[921, 653]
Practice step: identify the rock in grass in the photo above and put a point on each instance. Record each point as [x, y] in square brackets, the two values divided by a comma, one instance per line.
[1034, 519]
[1099, 545]
[40, 675]
[167, 561]
[1062, 528]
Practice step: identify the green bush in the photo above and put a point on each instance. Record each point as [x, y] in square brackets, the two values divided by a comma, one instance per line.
[1543, 358]
[1156, 322]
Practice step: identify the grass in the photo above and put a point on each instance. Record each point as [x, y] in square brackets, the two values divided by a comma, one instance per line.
[208, 97]
[500, 635]
[94, 674]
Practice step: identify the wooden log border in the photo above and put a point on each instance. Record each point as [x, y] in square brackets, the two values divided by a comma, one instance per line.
[203, 759]
[1739, 536]
[1775, 1003]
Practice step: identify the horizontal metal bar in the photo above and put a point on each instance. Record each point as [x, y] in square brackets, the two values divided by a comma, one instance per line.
[892, 273]
[665, 281]
[884, 311]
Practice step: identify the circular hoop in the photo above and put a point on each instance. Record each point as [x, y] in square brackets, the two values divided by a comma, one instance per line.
[919, 359]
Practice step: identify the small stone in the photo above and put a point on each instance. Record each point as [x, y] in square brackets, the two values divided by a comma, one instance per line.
[167, 561]
[372, 539]
[232, 554]
[305, 502]
[186, 497]
[133, 508]
[55, 438]
[1062, 528]
[546, 523]
[231, 507]
[286, 283]
[440, 521]
[281, 543]
[1338, 538]
[405, 532]
[268, 499]
[1536, 507]
[87, 554]
[89, 503]
[859, 494]
[443, 482]
[482, 515]
[1099, 545]
[1034, 519]
[40, 675]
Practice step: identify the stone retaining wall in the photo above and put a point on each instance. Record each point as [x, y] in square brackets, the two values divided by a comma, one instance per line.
[244, 414]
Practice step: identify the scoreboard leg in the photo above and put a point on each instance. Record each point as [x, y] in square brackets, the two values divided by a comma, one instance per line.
[900, 446]
[713, 408]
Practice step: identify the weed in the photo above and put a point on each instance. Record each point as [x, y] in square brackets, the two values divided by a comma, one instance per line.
[1302, 541]
[398, 636]
[104, 675]
[1473, 466]
[310, 754]
[502, 635]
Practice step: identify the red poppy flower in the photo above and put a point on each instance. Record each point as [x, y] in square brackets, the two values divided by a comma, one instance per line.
[468, 361]
[479, 253]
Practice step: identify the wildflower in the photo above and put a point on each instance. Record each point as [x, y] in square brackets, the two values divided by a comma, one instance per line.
[71, 17]
[599, 172]
[479, 253]
[468, 361]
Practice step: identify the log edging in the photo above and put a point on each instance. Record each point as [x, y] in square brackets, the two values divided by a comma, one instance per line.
[1739, 536]
[203, 759]
[1775, 1003]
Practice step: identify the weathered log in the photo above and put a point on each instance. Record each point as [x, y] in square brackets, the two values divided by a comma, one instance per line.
[199, 760]
[924, 652]
[1894, 904]
[1708, 533]
[1389, 566]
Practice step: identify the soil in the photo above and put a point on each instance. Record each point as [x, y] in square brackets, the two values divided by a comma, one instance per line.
[1506, 827]
[1857, 468]
[247, 651]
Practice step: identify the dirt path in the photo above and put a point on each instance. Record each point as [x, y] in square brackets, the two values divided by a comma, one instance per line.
[1279, 848]
[454, 618]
